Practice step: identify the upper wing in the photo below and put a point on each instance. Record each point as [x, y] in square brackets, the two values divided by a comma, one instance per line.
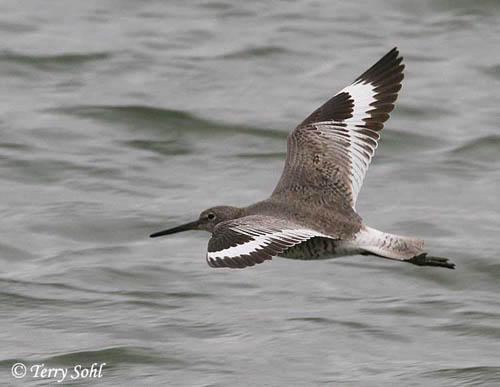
[330, 151]
[253, 239]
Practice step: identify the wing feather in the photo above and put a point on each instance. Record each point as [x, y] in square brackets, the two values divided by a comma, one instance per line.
[253, 239]
[332, 149]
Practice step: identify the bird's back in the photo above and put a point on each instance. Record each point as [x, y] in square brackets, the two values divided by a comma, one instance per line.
[336, 219]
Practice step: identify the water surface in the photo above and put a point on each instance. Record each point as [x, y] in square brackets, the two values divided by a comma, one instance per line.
[122, 118]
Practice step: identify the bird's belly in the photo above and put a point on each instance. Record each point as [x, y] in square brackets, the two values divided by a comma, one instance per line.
[320, 248]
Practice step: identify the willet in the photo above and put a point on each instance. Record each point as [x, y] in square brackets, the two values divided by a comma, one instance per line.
[311, 213]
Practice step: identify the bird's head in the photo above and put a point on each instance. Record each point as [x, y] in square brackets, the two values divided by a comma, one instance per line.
[207, 220]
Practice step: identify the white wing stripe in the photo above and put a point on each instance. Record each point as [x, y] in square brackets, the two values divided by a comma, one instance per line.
[362, 95]
[357, 151]
[261, 241]
[337, 141]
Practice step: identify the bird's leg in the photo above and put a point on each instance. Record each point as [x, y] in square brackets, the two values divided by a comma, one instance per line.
[424, 260]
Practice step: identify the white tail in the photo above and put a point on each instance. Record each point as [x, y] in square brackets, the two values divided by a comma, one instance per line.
[388, 245]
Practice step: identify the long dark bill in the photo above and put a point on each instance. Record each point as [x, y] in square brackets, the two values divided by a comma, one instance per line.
[184, 227]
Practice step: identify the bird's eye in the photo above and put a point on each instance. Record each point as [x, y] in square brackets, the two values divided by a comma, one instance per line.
[211, 216]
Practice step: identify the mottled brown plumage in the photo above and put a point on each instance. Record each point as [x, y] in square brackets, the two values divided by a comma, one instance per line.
[311, 212]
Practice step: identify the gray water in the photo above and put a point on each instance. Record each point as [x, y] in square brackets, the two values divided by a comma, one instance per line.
[121, 118]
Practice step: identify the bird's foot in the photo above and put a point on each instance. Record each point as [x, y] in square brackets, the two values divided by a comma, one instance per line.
[424, 260]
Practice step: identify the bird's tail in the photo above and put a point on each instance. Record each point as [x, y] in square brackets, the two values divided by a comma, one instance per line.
[397, 247]
[388, 245]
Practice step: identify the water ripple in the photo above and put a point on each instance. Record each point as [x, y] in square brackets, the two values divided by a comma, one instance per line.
[470, 376]
[112, 356]
[354, 326]
[145, 118]
[52, 62]
[485, 149]
[255, 52]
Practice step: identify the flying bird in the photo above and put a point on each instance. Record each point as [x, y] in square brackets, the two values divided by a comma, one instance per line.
[311, 214]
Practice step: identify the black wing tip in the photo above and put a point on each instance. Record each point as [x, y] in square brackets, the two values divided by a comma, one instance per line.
[385, 75]
[392, 55]
[394, 51]
[386, 67]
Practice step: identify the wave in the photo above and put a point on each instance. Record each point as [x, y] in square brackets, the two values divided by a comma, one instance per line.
[480, 375]
[49, 61]
[354, 326]
[140, 117]
[255, 52]
[111, 356]
[483, 149]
